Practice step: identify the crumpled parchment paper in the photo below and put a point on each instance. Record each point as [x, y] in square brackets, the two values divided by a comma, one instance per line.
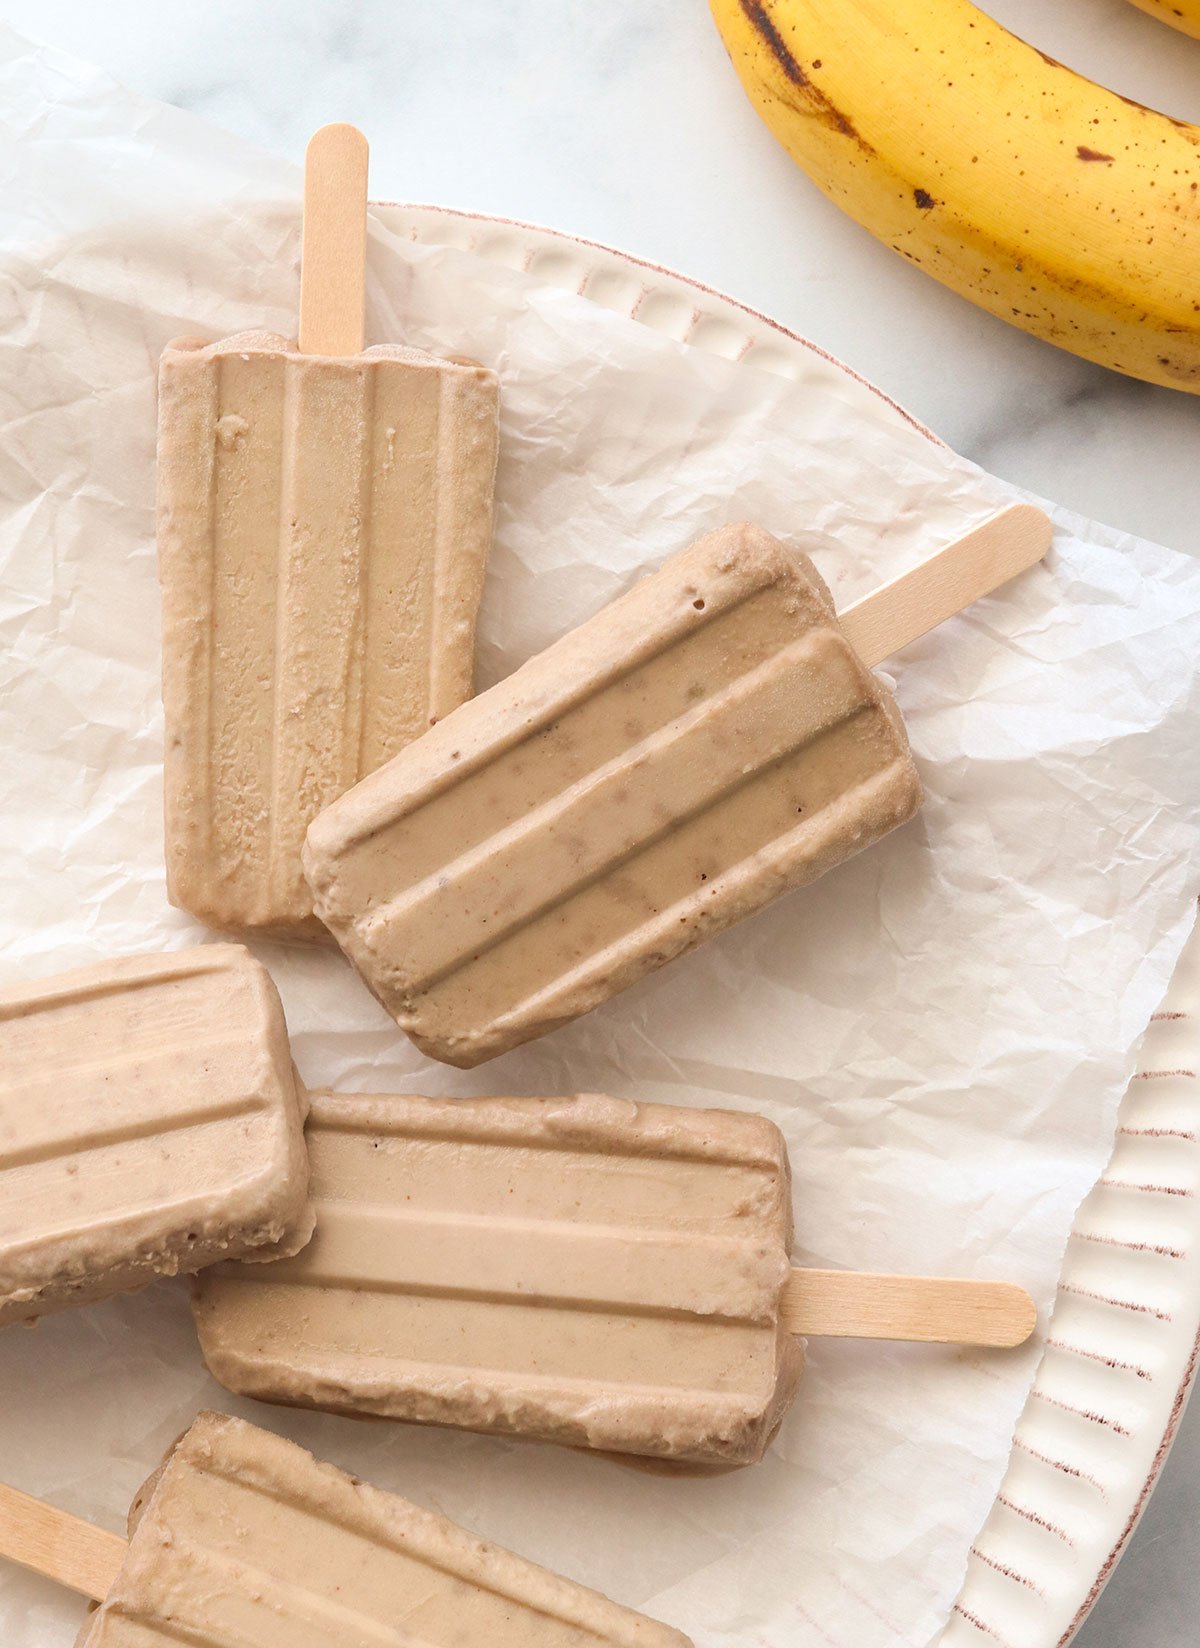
[943, 1028]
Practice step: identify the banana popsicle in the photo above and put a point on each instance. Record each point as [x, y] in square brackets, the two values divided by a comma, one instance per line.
[582, 1270]
[243, 1540]
[150, 1123]
[587, 1271]
[710, 740]
[324, 520]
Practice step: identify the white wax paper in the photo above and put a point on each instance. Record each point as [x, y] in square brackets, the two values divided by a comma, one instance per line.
[943, 1028]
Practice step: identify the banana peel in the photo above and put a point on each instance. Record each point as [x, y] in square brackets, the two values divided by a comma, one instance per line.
[1045, 199]
[1183, 15]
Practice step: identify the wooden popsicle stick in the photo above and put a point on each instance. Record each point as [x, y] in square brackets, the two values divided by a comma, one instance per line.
[841, 1304]
[333, 256]
[973, 566]
[61, 1547]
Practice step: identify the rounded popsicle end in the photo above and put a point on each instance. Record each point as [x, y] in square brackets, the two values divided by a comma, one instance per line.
[1018, 1321]
[339, 136]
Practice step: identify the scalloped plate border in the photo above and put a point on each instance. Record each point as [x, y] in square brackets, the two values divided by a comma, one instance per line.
[1123, 1341]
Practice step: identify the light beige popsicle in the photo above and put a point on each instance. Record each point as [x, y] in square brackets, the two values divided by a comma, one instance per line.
[324, 520]
[587, 1271]
[150, 1123]
[243, 1540]
[324, 526]
[705, 743]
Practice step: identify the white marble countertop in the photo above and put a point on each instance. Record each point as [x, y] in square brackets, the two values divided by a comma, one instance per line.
[624, 123]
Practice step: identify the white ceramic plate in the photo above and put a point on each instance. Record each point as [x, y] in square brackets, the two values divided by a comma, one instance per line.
[1121, 1349]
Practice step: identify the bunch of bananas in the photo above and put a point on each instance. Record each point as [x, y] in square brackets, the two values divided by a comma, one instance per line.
[1051, 202]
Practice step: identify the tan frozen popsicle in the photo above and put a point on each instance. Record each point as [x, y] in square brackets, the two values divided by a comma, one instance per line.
[150, 1123]
[324, 519]
[587, 1271]
[243, 1540]
[710, 740]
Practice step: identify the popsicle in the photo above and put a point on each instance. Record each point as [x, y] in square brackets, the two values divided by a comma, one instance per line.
[712, 739]
[324, 519]
[588, 1271]
[150, 1123]
[243, 1540]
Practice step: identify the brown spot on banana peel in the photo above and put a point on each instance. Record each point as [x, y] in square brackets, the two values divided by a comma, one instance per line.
[815, 100]
[1142, 108]
[1181, 371]
[761, 22]
[924, 199]
[1085, 153]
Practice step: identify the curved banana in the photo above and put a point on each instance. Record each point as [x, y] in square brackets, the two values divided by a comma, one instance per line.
[1180, 14]
[1049, 201]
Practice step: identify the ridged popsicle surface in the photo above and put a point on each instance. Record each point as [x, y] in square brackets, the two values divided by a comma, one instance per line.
[588, 1271]
[705, 743]
[243, 1540]
[324, 526]
[150, 1123]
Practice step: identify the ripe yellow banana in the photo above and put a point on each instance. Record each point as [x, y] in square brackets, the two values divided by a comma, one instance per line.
[1049, 201]
[1180, 14]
